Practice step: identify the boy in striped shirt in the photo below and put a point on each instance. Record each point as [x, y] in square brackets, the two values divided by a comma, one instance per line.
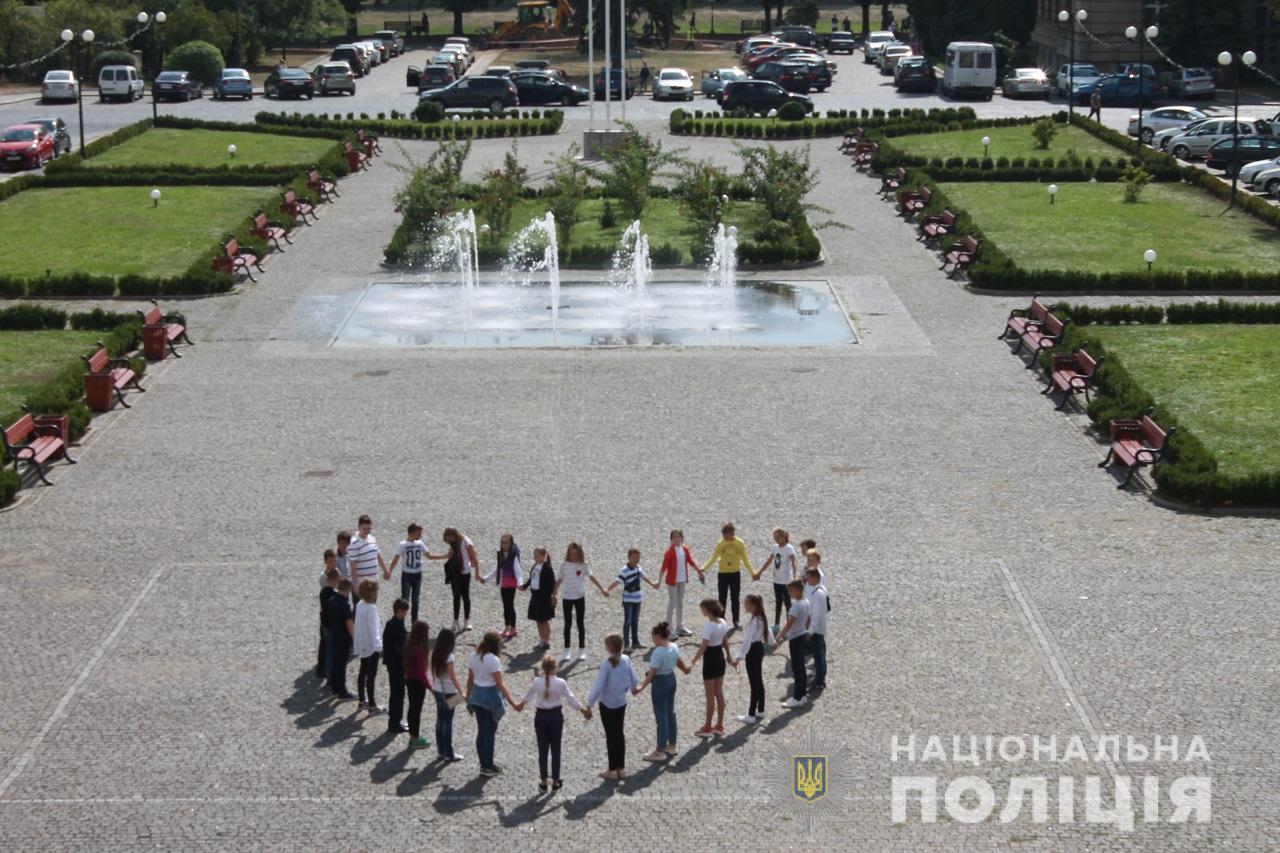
[363, 556]
[630, 577]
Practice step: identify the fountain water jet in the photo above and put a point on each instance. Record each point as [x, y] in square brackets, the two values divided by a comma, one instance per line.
[723, 272]
[632, 270]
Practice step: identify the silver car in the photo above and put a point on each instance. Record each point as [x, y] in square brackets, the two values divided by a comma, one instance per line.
[875, 41]
[713, 82]
[1194, 143]
[1162, 137]
[334, 78]
[1192, 83]
[1262, 174]
[889, 54]
[1163, 118]
[59, 85]
[1083, 75]
[1025, 82]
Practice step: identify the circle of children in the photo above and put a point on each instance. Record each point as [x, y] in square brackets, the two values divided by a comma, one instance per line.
[417, 665]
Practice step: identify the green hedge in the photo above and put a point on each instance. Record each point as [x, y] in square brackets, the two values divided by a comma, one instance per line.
[98, 146]
[9, 484]
[835, 122]
[31, 318]
[532, 123]
[1190, 470]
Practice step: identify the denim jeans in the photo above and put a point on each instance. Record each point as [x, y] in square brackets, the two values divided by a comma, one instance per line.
[664, 708]
[486, 735]
[410, 589]
[631, 623]
[444, 726]
[818, 648]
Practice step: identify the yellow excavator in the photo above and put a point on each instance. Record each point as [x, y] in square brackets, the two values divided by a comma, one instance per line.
[537, 19]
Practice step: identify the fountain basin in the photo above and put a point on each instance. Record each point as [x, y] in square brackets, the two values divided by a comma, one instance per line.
[597, 314]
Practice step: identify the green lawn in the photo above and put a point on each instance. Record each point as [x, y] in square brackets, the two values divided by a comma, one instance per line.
[1091, 229]
[28, 359]
[116, 230]
[208, 148]
[662, 222]
[1005, 142]
[1221, 381]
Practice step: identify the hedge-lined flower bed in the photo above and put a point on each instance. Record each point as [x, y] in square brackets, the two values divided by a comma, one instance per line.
[834, 123]
[1190, 472]
[457, 126]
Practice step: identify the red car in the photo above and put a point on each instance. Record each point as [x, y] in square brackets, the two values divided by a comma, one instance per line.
[26, 146]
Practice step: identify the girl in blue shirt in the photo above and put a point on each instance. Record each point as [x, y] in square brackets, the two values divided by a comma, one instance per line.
[663, 661]
[615, 679]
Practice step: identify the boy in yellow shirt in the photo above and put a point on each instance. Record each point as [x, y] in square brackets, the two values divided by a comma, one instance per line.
[731, 554]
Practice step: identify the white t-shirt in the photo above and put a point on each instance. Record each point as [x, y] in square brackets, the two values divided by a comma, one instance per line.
[411, 553]
[368, 630]
[573, 580]
[753, 633]
[442, 682]
[682, 571]
[713, 632]
[780, 557]
[800, 612]
[467, 547]
[550, 693]
[817, 598]
[362, 554]
[482, 669]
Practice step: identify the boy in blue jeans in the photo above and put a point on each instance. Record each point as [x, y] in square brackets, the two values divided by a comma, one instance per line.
[630, 576]
[818, 610]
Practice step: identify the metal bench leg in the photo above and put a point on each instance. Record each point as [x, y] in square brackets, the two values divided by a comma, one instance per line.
[40, 471]
[1107, 459]
[1127, 477]
[120, 397]
[173, 350]
[1065, 397]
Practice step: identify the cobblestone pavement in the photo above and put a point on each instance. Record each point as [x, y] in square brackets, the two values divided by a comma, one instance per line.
[987, 578]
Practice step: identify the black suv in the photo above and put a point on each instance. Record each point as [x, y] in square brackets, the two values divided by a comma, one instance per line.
[841, 43]
[758, 96]
[495, 93]
[792, 76]
[433, 76]
[543, 87]
[797, 34]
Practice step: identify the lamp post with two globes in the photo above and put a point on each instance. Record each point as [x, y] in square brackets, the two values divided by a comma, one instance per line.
[1131, 33]
[159, 19]
[79, 43]
[1224, 59]
[1080, 17]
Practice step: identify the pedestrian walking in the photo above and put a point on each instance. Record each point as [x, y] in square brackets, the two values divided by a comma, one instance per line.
[644, 76]
[541, 584]
[506, 573]
[818, 612]
[714, 652]
[459, 565]
[731, 553]
[664, 659]
[367, 644]
[341, 631]
[615, 679]
[795, 634]
[1095, 105]
[549, 694]
[486, 693]
[571, 590]
[417, 682]
[676, 562]
[753, 640]
[630, 577]
[447, 692]
[394, 635]
[782, 562]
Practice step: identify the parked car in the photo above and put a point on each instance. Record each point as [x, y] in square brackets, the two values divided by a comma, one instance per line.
[1261, 174]
[452, 59]
[59, 85]
[1118, 89]
[875, 40]
[792, 76]
[460, 40]
[353, 56]
[1163, 118]
[1162, 137]
[798, 34]
[435, 77]
[1229, 157]
[25, 146]
[672, 84]
[333, 78]
[289, 83]
[57, 128]
[176, 86]
[753, 58]
[533, 65]
[543, 87]
[119, 82]
[233, 83]
[1083, 75]
[969, 69]
[841, 43]
[1133, 69]
[758, 96]
[498, 71]
[887, 58]
[1197, 142]
[916, 73]
[820, 70]
[392, 39]
[493, 93]
[1188, 83]
[461, 50]
[757, 41]
[1026, 82]
[714, 81]
[616, 76]
[372, 51]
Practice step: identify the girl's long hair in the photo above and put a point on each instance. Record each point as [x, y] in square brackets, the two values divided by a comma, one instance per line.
[548, 670]
[757, 611]
[419, 638]
[613, 643]
[445, 642]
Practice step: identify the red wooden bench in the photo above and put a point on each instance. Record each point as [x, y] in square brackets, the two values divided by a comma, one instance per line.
[325, 187]
[863, 153]
[35, 441]
[935, 226]
[161, 331]
[106, 379]
[372, 145]
[1135, 443]
[298, 208]
[911, 202]
[851, 140]
[235, 259]
[961, 255]
[1038, 337]
[270, 230]
[1070, 374]
[892, 183]
[1022, 318]
[356, 159]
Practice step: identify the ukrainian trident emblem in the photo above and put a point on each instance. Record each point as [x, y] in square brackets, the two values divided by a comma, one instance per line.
[811, 777]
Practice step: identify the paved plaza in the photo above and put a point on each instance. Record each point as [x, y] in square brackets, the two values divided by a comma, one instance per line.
[986, 578]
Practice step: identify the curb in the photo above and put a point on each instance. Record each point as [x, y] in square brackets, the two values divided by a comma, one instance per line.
[1219, 511]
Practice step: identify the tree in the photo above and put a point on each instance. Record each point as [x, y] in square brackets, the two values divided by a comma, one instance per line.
[803, 12]
[283, 21]
[938, 22]
[460, 7]
[702, 191]
[202, 59]
[632, 167]
[565, 191]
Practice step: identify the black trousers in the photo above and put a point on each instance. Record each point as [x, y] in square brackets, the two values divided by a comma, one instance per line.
[461, 595]
[730, 586]
[569, 605]
[321, 662]
[368, 675]
[395, 701]
[509, 606]
[798, 648]
[417, 691]
[781, 602]
[548, 724]
[615, 738]
[755, 663]
[338, 663]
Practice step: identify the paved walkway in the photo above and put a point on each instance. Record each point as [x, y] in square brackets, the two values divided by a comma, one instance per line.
[987, 579]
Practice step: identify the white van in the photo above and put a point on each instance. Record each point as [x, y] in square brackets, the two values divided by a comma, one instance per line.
[970, 69]
[119, 81]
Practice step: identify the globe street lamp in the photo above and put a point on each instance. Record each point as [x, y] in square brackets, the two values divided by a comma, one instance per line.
[159, 19]
[1131, 33]
[986, 148]
[79, 43]
[1224, 59]
[1053, 193]
[1080, 17]
[1150, 257]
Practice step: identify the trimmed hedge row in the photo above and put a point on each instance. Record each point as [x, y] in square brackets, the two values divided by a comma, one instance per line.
[1190, 472]
[549, 122]
[836, 122]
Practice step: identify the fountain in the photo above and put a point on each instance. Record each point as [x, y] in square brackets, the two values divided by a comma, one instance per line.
[522, 246]
[722, 274]
[632, 270]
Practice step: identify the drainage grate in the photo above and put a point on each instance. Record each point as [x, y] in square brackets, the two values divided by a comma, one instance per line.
[320, 473]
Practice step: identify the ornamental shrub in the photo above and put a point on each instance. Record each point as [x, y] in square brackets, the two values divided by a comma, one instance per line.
[201, 59]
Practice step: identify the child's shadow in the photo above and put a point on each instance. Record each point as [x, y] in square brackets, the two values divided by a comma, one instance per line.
[390, 766]
[452, 800]
[367, 748]
[588, 801]
[530, 810]
[310, 703]
[416, 781]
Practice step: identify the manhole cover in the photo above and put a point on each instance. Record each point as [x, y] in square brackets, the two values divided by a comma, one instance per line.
[799, 369]
[371, 373]
[317, 473]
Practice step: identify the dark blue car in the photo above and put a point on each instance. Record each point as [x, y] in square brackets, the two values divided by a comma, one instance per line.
[233, 83]
[1118, 89]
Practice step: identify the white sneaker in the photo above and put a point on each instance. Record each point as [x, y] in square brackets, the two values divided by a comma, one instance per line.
[582, 655]
[747, 719]
[684, 632]
[795, 703]
[568, 655]
[468, 624]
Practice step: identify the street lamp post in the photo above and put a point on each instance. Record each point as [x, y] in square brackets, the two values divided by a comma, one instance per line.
[1131, 33]
[1080, 17]
[1225, 58]
[79, 43]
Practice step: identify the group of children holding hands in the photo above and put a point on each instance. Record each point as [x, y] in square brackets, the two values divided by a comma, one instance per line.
[350, 625]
